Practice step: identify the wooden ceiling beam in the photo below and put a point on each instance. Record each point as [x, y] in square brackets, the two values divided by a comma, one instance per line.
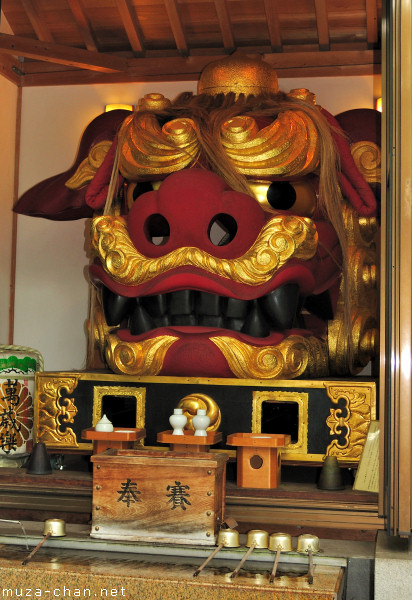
[322, 24]
[64, 55]
[83, 25]
[371, 22]
[272, 17]
[292, 64]
[38, 24]
[131, 25]
[11, 69]
[177, 27]
[222, 12]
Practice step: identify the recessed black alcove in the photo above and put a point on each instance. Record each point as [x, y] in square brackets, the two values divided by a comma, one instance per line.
[281, 417]
[120, 410]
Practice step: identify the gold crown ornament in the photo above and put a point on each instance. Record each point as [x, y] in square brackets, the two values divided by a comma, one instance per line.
[240, 74]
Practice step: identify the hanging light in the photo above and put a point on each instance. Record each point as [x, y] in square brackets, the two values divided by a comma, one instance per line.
[118, 106]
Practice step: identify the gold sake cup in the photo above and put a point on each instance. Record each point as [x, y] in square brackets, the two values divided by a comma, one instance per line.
[280, 541]
[307, 542]
[54, 527]
[229, 538]
[257, 538]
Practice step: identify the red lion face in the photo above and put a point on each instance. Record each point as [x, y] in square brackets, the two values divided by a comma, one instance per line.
[222, 244]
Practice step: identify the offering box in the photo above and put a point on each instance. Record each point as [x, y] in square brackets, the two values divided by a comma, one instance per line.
[152, 496]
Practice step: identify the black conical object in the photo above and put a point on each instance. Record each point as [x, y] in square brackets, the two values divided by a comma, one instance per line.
[330, 476]
[39, 462]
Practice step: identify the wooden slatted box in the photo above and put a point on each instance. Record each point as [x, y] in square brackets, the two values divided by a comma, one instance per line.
[154, 496]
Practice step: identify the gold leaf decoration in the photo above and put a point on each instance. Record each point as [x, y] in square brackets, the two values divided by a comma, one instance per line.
[148, 149]
[293, 357]
[352, 422]
[137, 358]
[280, 239]
[288, 146]
[89, 166]
[367, 157]
[191, 403]
[55, 411]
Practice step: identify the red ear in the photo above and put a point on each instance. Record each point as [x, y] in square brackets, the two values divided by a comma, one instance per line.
[51, 198]
[353, 184]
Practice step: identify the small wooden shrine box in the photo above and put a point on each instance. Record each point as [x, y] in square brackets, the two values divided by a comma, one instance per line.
[258, 458]
[153, 496]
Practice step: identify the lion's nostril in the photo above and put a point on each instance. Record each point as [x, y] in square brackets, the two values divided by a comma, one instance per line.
[157, 229]
[222, 229]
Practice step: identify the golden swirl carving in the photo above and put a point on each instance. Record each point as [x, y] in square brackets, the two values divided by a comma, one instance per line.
[359, 410]
[363, 282]
[360, 231]
[137, 358]
[279, 240]
[191, 403]
[293, 357]
[146, 148]
[88, 167]
[367, 157]
[303, 94]
[365, 342]
[288, 146]
[53, 411]
[153, 101]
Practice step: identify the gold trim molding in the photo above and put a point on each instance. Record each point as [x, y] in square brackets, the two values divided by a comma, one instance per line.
[299, 448]
[139, 394]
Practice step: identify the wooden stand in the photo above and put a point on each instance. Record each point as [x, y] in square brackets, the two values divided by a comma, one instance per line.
[258, 458]
[120, 438]
[189, 442]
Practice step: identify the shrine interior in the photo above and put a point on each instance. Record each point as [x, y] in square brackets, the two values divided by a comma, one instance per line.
[121, 332]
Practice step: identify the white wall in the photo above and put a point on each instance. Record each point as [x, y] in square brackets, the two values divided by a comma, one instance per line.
[51, 288]
[8, 95]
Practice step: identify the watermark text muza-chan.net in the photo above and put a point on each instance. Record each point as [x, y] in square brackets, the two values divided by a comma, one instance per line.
[64, 592]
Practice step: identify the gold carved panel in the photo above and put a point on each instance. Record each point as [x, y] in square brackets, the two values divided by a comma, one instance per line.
[352, 421]
[54, 413]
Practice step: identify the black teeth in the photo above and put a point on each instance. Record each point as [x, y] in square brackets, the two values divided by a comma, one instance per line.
[236, 309]
[140, 320]
[320, 305]
[182, 320]
[156, 306]
[280, 306]
[115, 307]
[234, 324]
[255, 324]
[208, 304]
[277, 311]
[163, 321]
[181, 302]
[212, 321]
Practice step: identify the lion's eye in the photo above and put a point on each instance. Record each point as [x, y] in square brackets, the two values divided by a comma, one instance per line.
[281, 195]
[297, 197]
[134, 190]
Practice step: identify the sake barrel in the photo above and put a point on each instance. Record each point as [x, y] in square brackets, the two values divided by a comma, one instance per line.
[18, 365]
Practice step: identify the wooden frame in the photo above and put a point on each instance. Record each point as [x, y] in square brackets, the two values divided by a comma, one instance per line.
[396, 288]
